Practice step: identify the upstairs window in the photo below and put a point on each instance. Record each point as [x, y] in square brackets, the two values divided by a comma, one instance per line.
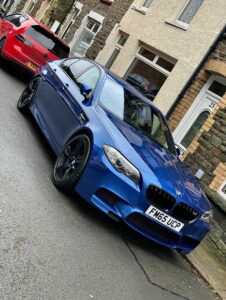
[147, 3]
[190, 11]
[119, 45]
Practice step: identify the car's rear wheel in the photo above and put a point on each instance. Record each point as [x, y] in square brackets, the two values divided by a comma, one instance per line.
[70, 164]
[27, 95]
[2, 43]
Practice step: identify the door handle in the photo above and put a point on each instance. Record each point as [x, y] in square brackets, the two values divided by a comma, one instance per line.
[66, 85]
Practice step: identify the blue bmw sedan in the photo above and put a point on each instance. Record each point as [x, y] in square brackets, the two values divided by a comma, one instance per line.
[114, 148]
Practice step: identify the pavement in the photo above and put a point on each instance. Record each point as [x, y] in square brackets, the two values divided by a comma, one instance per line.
[57, 247]
[210, 265]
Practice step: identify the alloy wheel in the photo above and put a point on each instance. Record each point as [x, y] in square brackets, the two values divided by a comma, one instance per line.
[71, 162]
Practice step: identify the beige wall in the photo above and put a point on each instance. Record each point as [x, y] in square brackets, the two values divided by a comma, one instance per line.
[187, 46]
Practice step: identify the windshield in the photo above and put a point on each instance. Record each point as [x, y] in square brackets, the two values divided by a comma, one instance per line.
[48, 41]
[131, 109]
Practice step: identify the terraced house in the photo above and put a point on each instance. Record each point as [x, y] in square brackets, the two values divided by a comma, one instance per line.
[84, 25]
[175, 54]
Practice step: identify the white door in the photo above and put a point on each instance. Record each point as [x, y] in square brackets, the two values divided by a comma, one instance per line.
[199, 111]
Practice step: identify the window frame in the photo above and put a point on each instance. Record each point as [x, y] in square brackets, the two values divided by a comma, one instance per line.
[153, 63]
[184, 24]
[146, 7]
[220, 190]
[82, 72]
[118, 47]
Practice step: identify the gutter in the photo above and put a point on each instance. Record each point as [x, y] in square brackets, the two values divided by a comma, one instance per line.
[194, 74]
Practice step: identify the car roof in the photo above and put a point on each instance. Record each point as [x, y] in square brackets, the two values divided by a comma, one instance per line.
[35, 22]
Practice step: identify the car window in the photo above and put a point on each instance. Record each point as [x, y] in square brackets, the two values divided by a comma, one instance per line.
[128, 107]
[16, 20]
[75, 67]
[48, 41]
[90, 76]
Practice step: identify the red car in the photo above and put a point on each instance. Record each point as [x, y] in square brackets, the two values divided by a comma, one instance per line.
[28, 42]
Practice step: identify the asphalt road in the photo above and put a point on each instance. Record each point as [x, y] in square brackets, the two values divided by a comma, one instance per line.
[53, 246]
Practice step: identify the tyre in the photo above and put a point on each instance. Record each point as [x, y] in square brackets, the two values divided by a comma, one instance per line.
[2, 43]
[71, 163]
[27, 95]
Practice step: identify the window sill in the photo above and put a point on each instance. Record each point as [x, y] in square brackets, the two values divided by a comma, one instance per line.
[140, 10]
[177, 24]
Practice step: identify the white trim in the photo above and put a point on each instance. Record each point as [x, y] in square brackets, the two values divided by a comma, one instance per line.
[97, 17]
[220, 190]
[78, 5]
[153, 63]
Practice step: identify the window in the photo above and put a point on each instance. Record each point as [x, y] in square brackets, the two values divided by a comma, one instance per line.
[48, 41]
[119, 45]
[147, 3]
[86, 37]
[218, 88]
[194, 129]
[91, 77]
[6, 3]
[16, 20]
[190, 10]
[31, 6]
[125, 105]
[75, 67]
[77, 11]
[81, 71]
[148, 72]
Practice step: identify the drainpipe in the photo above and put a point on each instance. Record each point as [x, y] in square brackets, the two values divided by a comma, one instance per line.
[194, 74]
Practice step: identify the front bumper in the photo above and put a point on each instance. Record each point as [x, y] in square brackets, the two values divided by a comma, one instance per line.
[122, 199]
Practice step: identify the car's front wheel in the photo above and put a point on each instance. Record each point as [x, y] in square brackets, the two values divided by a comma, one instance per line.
[27, 95]
[70, 164]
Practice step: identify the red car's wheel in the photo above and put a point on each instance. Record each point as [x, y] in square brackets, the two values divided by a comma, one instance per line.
[2, 43]
[27, 95]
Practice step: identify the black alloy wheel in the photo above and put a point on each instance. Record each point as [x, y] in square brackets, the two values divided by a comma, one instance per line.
[27, 95]
[71, 162]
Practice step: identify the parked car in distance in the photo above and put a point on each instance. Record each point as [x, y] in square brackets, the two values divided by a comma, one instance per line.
[29, 43]
[115, 149]
[148, 89]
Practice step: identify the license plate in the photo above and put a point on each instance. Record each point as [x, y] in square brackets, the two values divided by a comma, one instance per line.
[163, 218]
[32, 66]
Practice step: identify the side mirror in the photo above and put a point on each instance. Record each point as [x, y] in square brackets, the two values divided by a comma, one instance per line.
[85, 89]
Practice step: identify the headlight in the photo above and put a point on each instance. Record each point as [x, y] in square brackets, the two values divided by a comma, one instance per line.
[121, 164]
[207, 216]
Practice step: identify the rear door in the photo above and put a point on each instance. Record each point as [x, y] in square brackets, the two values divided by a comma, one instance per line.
[59, 100]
